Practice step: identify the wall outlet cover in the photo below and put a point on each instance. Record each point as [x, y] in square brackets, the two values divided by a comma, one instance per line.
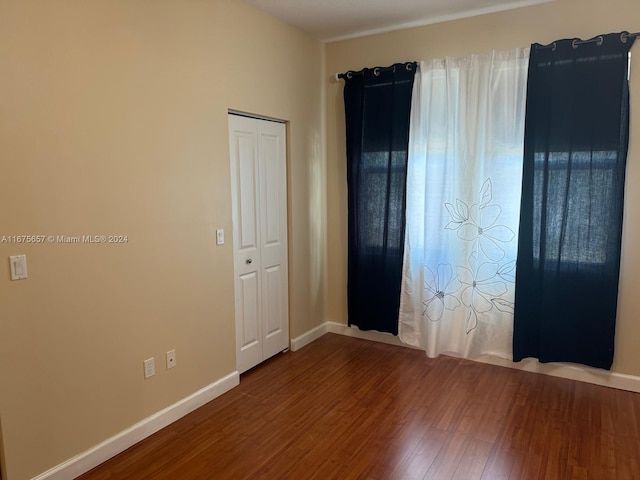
[171, 359]
[149, 367]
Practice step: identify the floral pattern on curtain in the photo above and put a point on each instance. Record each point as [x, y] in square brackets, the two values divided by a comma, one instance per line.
[482, 281]
[463, 196]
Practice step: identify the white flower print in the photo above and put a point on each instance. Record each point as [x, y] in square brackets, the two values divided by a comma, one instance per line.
[479, 288]
[440, 287]
[481, 225]
[482, 284]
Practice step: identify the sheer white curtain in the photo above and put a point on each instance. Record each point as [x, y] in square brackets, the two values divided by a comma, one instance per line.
[463, 202]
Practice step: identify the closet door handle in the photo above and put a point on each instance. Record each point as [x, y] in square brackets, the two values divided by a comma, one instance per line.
[249, 261]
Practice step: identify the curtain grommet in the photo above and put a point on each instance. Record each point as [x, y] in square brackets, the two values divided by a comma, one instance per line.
[376, 72]
[574, 43]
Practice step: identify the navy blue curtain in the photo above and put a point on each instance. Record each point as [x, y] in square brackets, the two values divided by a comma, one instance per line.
[576, 137]
[377, 110]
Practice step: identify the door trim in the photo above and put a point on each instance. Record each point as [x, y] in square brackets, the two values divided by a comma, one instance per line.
[240, 113]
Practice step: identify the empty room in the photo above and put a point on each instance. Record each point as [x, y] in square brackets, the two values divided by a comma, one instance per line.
[309, 240]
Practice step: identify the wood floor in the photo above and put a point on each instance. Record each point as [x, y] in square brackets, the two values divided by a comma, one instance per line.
[343, 408]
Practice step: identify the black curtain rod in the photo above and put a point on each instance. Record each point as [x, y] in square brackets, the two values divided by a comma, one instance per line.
[376, 71]
[599, 40]
[409, 65]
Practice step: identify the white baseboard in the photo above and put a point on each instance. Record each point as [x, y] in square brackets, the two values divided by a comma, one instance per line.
[372, 335]
[333, 327]
[308, 337]
[569, 371]
[102, 452]
[563, 370]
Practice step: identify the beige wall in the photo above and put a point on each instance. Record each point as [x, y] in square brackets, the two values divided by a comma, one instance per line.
[113, 120]
[517, 28]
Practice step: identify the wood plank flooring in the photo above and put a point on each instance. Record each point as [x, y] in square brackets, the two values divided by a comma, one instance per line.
[344, 408]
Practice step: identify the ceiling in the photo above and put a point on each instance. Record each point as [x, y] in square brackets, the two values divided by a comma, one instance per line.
[331, 20]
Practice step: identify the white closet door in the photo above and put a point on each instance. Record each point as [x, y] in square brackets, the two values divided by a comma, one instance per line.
[259, 207]
[273, 236]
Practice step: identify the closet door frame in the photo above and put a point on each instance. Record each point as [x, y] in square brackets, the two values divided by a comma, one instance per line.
[258, 159]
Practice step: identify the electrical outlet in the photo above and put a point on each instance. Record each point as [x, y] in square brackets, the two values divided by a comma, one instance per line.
[149, 367]
[171, 359]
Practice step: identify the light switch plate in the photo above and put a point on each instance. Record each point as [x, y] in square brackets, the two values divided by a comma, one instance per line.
[220, 236]
[18, 267]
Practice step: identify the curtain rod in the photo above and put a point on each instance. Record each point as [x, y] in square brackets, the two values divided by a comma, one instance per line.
[599, 40]
[576, 41]
[376, 71]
